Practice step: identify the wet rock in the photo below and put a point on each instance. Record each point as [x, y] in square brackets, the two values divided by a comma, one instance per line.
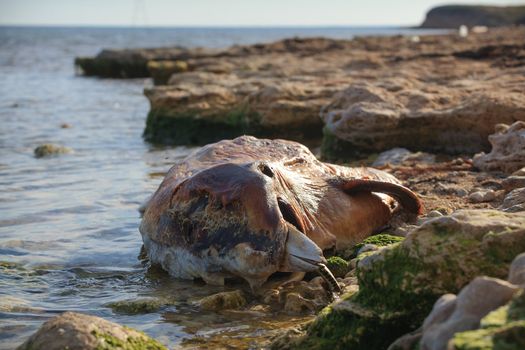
[297, 304]
[514, 201]
[508, 150]
[49, 149]
[482, 196]
[76, 331]
[397, 156]
[223, 301]
[475, 301]
[513, 182]
[136, 306]
[441, 256]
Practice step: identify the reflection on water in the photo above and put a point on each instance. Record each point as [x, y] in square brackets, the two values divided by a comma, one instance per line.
[68, 224]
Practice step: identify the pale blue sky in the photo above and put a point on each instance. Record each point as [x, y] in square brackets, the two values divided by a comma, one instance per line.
[221, 12]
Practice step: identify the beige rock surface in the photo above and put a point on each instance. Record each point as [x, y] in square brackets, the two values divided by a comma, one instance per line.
[508, 149]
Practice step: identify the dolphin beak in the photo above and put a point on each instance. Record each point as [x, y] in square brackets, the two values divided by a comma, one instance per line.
[302, 254]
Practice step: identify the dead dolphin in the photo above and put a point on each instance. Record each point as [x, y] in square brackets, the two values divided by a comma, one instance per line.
[250, 207]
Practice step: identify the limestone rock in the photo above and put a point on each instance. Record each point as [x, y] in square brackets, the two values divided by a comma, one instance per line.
[514, 201]
[76, 331]
[508, 150]
[373, 116]
[161, 71]
[441, 256]
[474, 302]
[482, 196]
[223, 301]
[517, 271]
[503, 328]
[397, 156]
[513, 182]
[49, 149]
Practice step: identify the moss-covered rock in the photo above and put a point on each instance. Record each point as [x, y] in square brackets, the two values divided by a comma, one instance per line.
[112, 68]
[76, 331]
[338, 266]
[49, 149]
[399, 284]
[380, 240]
[223, 301]
[161, 71]
[502, 329]
[136, 306]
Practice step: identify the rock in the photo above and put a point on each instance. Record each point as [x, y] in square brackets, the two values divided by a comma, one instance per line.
[514, 201]
[371, 243]
[161, 71]
[136, 306]
[441, 256]
[434, 214]
[508, 150]
[338, 266]
[517, 271]
[475, 301]
[519, 172]
[503, 328]
[297, 304]
[368, 117]
[453, 16]
[513, 182]
[49, 149]
[397, 156]
[223, 301]
[482, 196]
[76, 331]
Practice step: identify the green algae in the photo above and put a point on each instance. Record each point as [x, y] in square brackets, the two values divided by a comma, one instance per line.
[136, 306]
[399, 284]
[110, 68]
[380, 240]
[338, 266]
[164, 127]
[110, 342]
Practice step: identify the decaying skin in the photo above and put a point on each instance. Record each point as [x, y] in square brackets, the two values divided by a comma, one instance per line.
[250, 207]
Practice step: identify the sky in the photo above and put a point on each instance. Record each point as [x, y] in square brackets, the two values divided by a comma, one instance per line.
[179, 13]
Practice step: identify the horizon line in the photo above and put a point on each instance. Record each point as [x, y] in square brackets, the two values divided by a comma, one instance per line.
[132, 26]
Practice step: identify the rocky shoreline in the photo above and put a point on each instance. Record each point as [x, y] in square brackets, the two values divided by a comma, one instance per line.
[441, 93]
[455, 279]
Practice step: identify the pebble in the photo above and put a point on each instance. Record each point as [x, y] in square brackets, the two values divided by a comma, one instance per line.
[434, 214]
[482, 196]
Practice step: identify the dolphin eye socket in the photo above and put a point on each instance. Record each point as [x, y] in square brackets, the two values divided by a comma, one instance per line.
[265, 169]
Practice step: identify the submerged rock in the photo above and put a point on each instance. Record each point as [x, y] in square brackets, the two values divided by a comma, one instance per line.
[514, 201]
[398, 285]
[49, 149]
[508, 150]
[136, 306]
[223, 301]
[76, 331]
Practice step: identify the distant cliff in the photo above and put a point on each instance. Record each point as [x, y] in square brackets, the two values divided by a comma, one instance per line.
[453, 16]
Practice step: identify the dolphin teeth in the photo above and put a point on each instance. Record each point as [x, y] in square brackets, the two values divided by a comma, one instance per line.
[327, 275]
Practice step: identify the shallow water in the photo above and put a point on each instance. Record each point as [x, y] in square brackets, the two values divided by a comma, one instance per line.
[68, 224]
